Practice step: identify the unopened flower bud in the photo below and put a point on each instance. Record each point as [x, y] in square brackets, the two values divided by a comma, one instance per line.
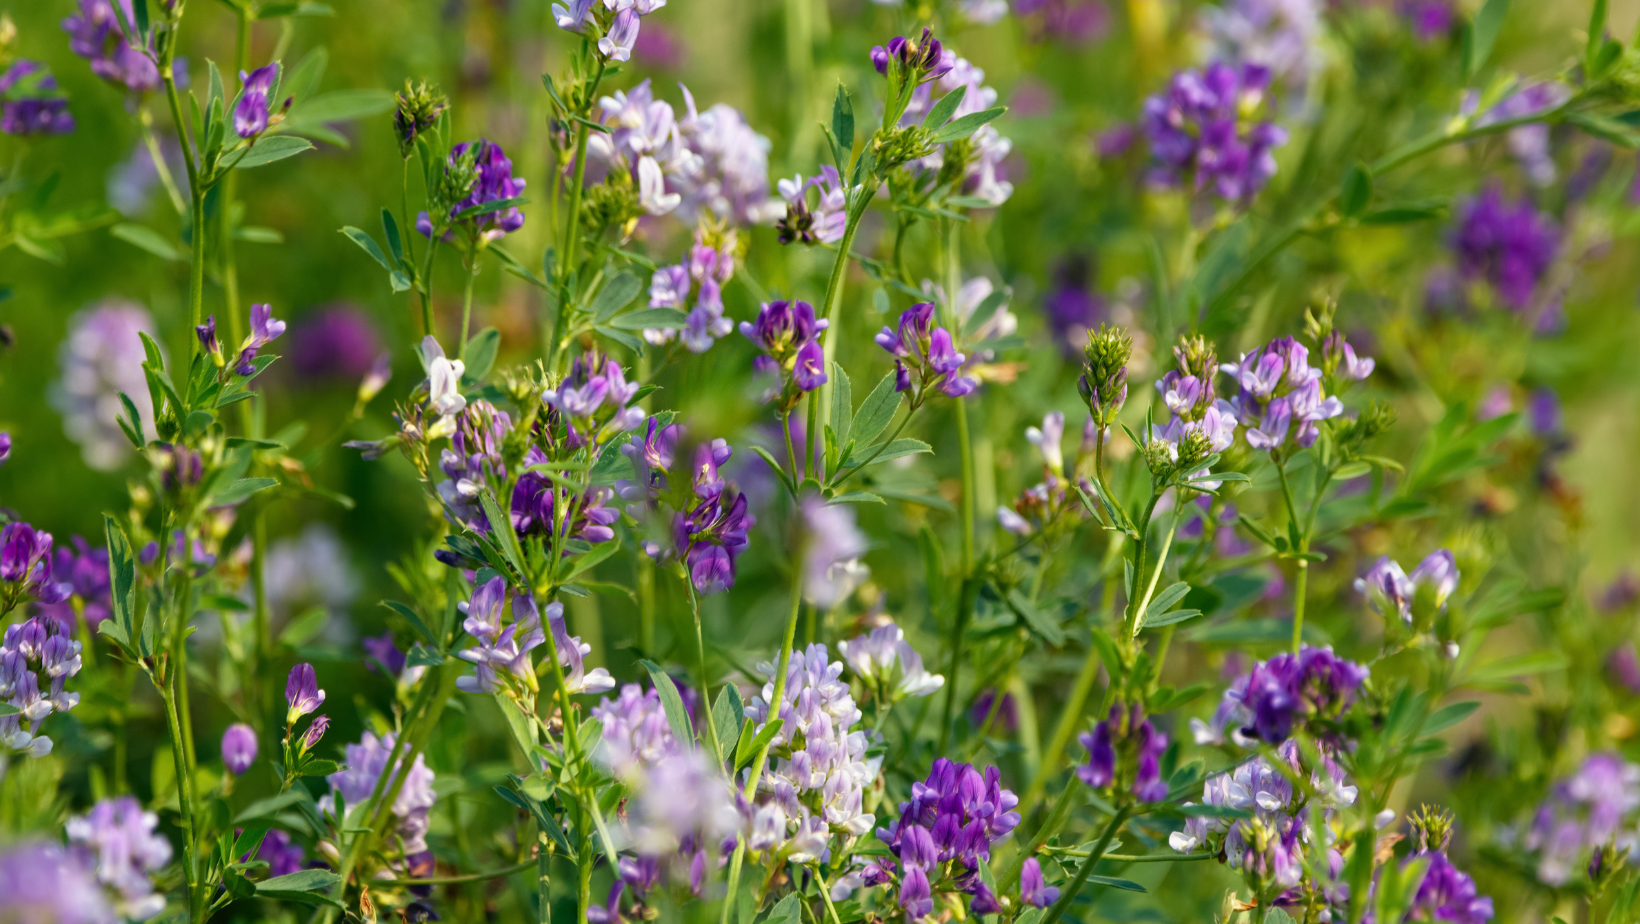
[420, 105]
[1104, 373]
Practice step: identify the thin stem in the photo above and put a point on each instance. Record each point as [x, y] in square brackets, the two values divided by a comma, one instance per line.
[408, 233]
[705, 678]
[964, 603]
[174, 723]
[583, 870]
[1086, 870]
[471, 265]
[163, 169]
[834, 285]
[1161, 560]
[456, 880]
[1050, 827]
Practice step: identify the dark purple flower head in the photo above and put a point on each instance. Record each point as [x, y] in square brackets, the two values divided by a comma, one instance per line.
[1448, 894]
[1509, 244]
[238, 748]
[335, 342]
[26, 567]
[782, 327]
[31, 103]
[1280, 395]
[94, 33]
[948, 826]
[302, 692]
[265, 328]
[1125, 747]
[207, 338]
[1200, 129]
[315, 731]
[283, 857]
[494, 183]
[1072, 307]
[5, 446]
[250, 114]
[919, 346]
[382, 651]
[84, 571]
[921, 59]
[1267, 703]
[1429, 19]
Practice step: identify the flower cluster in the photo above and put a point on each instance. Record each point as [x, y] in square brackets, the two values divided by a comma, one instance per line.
[101, 358]
[37, 657]
[710, 531]
[695, 287]
[31, 103]
[479, 174]
[683, 818]
[353, 785]
[95, 33]
[1587, 812]
[26, 568]
[1280, 395]
[636, 735]
[922, 348]
[117, 839]
[1103, 383]
[614, 22]
[85, 571]
[887, 663]
[1125, 752]
[44, 882]
[1204, 128]
[592, 404]
[302, 697]
[818, 771]
[944, 831]
[706, 164]
[1268, 847]
[1509, 245]
[1393, 593]
[789, 336]
[1188, 393]
[1311, 689]
[973, 165]
[502, 656]
[822, 223]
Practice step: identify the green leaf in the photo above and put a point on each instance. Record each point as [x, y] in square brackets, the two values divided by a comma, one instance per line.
[650, 319]
[676, 715]
[788, 911]
[320, 767]
[481, 352]
[1607, 128]
[304, 627]
[620, 336]
[1597, 35]
[897, 449]
[876, 411]
[1277, 916]
[1164, 601]
[272, 148]
[486, 208]
[307, 880]
[501, 528]
[1357, 190]
[9, 709]
[240, 490]
[1128, 885]
[1041, 623]
[1169, 618]
[727, 715]
[1448, 716]
[368, 245]
[413, 619]
[940, 113]
[858, 497]
[751, 744]
[341, 106]
[842, 409]
[965, 126]
[150, 240]
[1481, 35]
[842, 125]
[1534, 662]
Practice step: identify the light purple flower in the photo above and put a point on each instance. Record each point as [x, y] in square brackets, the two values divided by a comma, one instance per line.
[1032, 890]
[884, 657]
[101, 357]
[363, 764]
[1199, 129]
[250, 114]
[126, 849]
[238, 748]
[33, 104]
[43, 883]
[94, 33]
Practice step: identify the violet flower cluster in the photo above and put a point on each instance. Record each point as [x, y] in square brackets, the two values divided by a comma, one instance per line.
[31, 102]
[118, 840]
[1393, 593]
[502, 659]
[101, 357]
[611, 24]
[695, 287]
[1509, 245]
[710, 532]
[492, 181]
[637, 735]
[887, 663]
[353, 785]
[1202, 129]
[944, 831]
[789, 336]
[1125, 751]
[822, 223]
[46, 882]
[1280, 397]
[37, 657]
[925, 356]
[1310, 690]
[818, 771]
[1592, 810]
[95, 34]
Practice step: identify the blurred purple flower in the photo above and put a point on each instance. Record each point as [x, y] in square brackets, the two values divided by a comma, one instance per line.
[1509, 244]
[250, 115]
[1204, 127]
[1072, 307]
[238, 748]
[94, 33]
[33, 104]
[334, 342]
[283, 857]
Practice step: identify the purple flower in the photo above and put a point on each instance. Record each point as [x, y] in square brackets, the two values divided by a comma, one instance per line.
[826, 222]
[1282, 35]
[239, 748]
[883, 657]
[381, 650]
[710, 535]
[31, 103]
[617, 44]
[1623, 664]
[265, 328]
[1391, 592]
[1127, 746]
[302, 693]
[918, 60]
[315, 731]
[1280, 395]
[1429, 19]
[26, 567]
[250, 114]
[363, 764]
[494, 183]
[85, 571]
[919, 346]
[43, 883]
[1448, 894]
[637, 734]
[37, 658]
[1509, 244]
[964, 813]
[1267, 703]
[1007, 718]
[101, 357]
[94, 33]
[1584, 812]
[120, 836]
[335, 342]
[1543, 413]
[1032, 890]
[1073, 309]
[1201, 128]
[282, 856]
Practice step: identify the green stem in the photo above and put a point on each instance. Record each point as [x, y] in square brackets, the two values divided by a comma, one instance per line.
[163, 169]
[471, 266]
[190, 831]
[408, 233]
[1161, 560]
[834, 289]
[1086, 870]
[705, 678]
[1050, 827]
[457, 880]
[583, 870]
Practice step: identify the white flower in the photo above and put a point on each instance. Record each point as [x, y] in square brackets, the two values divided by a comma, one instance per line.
[443, 380]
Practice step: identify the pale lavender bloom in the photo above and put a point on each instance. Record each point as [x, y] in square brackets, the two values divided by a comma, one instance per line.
[727, 173]
[250, 115]
[683, 800]
[617, 44]
[1388, 589]
[831, 554]
[311, 568]
[101, 357]
[823, 223]
[829, 769]
[883, 657]
[238, 748]
[363, 765]
[572, 653]
[94, 33]
[1338, 356]
[1047, 440]
[573, 15]
[37, 658]
[637, 735]
[499, 652]
[1280, 396]
[120, 836]
[43, 883]
[1282, 35]
[1585, 811]
[1438, 570]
